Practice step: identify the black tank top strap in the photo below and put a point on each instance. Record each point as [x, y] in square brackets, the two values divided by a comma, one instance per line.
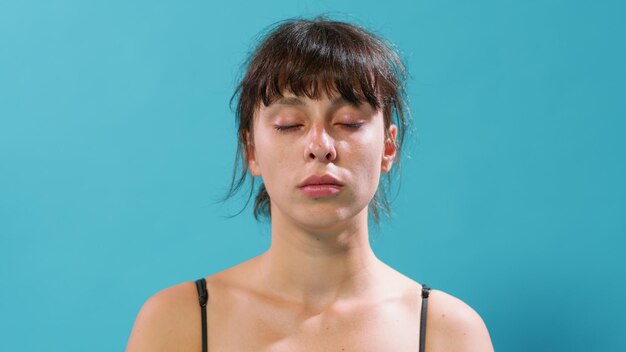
[203, 296]
[425, 294]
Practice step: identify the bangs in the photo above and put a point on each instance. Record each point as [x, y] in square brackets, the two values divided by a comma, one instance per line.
[316, 58]
[306, 70]
[349, 80]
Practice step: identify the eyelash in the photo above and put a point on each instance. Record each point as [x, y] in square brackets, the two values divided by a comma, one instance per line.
[289, 128]
[285, 128]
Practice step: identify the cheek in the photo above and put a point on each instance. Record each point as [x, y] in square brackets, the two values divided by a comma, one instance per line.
[272, 157]
[365, 161]
[369, 151]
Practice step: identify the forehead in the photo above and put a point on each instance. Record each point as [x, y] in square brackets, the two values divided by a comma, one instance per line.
[289, 99]
[292, 100]
[329, 106]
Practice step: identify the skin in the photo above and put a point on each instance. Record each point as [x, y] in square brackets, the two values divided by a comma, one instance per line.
[319, 287]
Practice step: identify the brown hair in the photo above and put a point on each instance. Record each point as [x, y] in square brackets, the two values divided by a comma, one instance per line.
[311, 57]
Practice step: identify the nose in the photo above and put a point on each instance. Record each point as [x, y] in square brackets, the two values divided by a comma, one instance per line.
[321, 146]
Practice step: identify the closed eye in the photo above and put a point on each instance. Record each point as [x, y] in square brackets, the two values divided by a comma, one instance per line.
[355, 125]
[287, 128]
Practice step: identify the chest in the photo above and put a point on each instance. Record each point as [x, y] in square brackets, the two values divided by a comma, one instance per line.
[393, 326]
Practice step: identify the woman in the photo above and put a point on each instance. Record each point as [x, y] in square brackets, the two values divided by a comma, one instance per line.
[321, 117]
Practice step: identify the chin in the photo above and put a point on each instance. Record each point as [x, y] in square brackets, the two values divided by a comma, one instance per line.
[323, 217]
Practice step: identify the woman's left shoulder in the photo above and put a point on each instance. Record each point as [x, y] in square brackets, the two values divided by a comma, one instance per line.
[454, 326]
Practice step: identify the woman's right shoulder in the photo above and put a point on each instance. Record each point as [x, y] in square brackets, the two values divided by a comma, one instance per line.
[169, 320]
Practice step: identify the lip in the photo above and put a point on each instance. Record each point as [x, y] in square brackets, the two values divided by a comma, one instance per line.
[320, 186]
[318, 191]
[325, 179]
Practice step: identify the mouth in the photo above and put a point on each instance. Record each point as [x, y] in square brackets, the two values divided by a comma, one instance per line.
[325, 179]
[320, 186]
[320, 190]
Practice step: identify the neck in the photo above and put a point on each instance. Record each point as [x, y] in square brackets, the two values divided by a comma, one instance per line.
[317, 267]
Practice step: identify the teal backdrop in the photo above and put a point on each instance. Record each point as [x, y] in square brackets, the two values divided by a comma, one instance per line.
[116, 137]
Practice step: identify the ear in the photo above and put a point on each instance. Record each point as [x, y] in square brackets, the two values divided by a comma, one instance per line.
[389, 153]
[250, 155]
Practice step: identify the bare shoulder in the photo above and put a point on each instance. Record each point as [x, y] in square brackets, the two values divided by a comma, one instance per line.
[454, 326]
[168, 321]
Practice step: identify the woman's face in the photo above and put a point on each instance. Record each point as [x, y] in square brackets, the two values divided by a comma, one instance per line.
[296, 138]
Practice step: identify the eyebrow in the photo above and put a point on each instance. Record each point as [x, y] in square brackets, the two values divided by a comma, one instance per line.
[289, 101]
[295, 101]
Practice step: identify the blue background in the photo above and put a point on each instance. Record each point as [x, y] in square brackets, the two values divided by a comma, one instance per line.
[116, 137]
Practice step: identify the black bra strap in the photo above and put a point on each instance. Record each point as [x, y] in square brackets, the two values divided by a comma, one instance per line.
[203, 297]
[425, 294]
